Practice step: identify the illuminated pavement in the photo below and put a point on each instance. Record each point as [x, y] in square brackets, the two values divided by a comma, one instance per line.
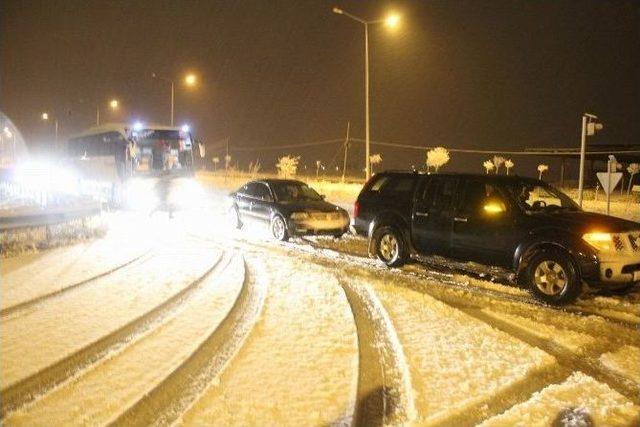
[184, 321]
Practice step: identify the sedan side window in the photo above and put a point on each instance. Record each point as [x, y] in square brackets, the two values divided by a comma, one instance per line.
[263, 192]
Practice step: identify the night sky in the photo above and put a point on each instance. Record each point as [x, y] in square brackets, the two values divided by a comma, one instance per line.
[463, 74]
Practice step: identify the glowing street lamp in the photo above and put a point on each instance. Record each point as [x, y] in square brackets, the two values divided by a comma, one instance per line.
[391, 21]
[189, 80]
[45, 117]
[113, 104]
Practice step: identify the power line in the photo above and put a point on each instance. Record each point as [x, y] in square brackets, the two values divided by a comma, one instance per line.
[279, 147]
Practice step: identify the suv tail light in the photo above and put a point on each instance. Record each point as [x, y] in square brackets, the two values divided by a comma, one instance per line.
[356, 209]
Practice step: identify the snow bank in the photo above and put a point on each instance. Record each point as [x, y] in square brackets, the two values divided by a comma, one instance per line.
[578, 401]
[625, 361]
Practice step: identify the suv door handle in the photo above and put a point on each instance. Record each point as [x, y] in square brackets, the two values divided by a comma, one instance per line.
[425, 214]
[459, 219]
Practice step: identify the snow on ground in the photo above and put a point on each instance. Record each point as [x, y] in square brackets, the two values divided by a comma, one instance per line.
[575, 341]
[104, 391]
[299, 365]
[578, 401]
[34, 276]
[625, 361]
[78, 319]
[457, 363]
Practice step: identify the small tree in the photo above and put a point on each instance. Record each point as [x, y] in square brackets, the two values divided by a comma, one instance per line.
[254, 168]
[497, 162]
[437, 158]
[488, 165]
[375, 159]
[287, 166]
[508, 164]
[215, 161]
[227, 161]
[633, 169]
[542, 168]
[318, 165]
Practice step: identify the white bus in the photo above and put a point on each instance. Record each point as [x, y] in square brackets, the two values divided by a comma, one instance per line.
[106, 156]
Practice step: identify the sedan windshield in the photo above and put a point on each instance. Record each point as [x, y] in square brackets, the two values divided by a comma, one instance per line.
[533, 197]
[294, 192]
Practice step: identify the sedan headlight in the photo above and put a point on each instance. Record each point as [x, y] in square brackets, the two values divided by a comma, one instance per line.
[299, 215]
[600, 241]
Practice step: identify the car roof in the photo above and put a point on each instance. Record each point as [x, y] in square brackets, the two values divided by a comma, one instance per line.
[279, 181]
[480, 176]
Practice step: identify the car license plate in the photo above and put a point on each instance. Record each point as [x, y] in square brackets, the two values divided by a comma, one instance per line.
[636, 275]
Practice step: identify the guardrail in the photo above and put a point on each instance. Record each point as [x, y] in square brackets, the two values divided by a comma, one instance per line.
[25, 218]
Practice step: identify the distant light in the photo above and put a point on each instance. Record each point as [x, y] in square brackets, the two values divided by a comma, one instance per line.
[392, 21]
[338, 10]
[185, 128]
[113, 104]
[45, 116]
[7, 132]
[190, 79]
[137, 126]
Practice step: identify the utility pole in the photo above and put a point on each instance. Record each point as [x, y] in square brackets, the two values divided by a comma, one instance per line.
[97, 115]
[589, 127]
[346, 151]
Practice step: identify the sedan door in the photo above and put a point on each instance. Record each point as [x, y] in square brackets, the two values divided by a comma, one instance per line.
[262, 203]
[433, 215]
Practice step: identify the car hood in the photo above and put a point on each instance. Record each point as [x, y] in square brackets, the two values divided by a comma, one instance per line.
[584, 222]
[309, 206]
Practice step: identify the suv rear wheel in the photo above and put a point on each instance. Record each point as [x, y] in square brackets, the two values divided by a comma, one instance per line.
[552, 278]
[390, 247]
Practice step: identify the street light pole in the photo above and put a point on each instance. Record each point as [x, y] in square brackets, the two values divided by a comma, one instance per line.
[367, 142]
[391, 21]
[586, 119]
[173, 93]
[97, 115]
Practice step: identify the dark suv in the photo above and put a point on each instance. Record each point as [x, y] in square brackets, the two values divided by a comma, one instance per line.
[523, 224]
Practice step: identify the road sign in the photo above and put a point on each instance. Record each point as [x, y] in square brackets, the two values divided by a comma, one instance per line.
[604, 180]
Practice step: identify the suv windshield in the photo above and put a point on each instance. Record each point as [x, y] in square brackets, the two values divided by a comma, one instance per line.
[534, 197]
[294, 192]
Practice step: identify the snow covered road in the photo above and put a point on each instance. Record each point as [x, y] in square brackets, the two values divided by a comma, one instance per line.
[196, 324]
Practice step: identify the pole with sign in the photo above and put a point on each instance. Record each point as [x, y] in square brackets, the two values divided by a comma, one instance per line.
[609, 180]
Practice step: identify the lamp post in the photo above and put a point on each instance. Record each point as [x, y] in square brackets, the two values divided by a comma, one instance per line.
[189, 80]
[589, 127]
[391, 21]
[45, 117]
[113, 104]
[12, 136]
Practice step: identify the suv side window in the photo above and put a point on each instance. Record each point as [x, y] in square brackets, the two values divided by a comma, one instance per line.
[438, 193]
[475, 194]
[397, 185]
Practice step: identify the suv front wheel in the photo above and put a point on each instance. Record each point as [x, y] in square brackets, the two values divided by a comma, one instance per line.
[552, 278]
[390, 247]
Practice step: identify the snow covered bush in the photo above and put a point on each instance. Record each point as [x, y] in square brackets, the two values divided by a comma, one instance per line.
[287, 166]
[215, 161]
[508, 164]
[498, 161]
[437, 157]
[488, 165]
[542, 168]
[227, 161]
[375, 159]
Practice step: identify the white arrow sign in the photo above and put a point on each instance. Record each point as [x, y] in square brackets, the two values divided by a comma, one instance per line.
[608, 184]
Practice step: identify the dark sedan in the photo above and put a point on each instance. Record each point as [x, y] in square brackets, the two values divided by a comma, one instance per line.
[288, 208]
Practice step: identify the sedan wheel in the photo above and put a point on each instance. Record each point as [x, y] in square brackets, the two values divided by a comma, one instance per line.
[279, 229]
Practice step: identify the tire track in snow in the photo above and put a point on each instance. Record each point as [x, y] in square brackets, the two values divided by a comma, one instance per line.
[29, 388]
[17, 308]
[384, 394]
[565, 357]
[435, 271]
[172, 397]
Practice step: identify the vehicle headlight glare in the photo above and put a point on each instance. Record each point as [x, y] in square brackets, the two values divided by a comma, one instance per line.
[600, 241]
[299, 215]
